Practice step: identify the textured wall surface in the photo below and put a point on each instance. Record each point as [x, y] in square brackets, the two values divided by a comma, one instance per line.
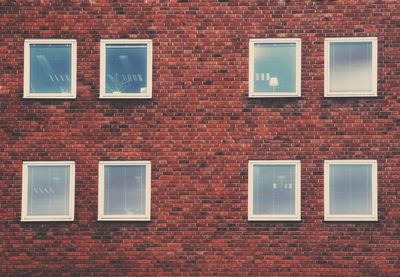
[199, 130]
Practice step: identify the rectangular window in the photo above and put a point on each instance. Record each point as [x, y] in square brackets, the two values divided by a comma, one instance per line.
[126, 68]
[48, 191]
[274, 190]
[124, 190]
[275, 68]
[350, 67]
[351, 190]
[50, 68]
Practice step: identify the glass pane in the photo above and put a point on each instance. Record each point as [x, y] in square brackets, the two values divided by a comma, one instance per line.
[48, 190]
[124, 189]
[275, 67]
[274, 189]
[350, 66]
[126, 68]
[50, 68]
[350, 188]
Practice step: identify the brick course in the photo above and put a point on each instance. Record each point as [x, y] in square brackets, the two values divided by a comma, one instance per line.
[199, 131]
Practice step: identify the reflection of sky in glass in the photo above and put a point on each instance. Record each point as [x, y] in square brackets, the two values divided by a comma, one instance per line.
[48, 190]
[350, 189]
[126, 68]
[274, 60]
[274, 189]
[50, 68]
[124, 189]
[350, 66]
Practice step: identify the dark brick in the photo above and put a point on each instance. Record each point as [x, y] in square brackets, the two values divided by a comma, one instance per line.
[199, 130]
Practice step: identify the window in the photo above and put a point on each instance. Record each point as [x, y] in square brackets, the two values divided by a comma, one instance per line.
[274, 190]
[351, 190]
[350, 67]
[275, 68]
[50, 68]
[48, 190]
[124, 190]
[125, 68]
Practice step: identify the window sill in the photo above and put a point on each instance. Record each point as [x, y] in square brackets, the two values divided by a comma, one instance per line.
[46, 219]
[49, 96]
[349, 94]
[124, 96]
[144, 218]
[351, 218]
[273, 95]
[277, 218]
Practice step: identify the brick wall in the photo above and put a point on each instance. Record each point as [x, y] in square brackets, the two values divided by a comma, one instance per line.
[199, 131]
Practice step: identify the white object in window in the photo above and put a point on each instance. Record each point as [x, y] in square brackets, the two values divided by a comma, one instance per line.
[274, 190]
[351, 67]
[275, 67]
[351, 190]
[126, 68]
[124, 190]
[48, 190]
[50, 68]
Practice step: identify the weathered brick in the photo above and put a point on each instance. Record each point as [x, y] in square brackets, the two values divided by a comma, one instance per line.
[199, 131]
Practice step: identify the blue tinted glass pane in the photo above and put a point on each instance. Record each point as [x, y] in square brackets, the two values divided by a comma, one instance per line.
[124, 189]
[274, 189]
[350, 67]
[350, 188]
[50, 68]
[126, 68]
[48, 190]
[275, 67]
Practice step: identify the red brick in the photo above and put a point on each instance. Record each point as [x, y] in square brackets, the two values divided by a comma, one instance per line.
[199, 131]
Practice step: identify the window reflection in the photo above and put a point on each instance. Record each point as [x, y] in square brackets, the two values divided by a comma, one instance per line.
[274, 189]
[48, 190]
[275, 67]
[126, 68]
[350, 66]
[50, 68]
[350, 189]
[124, 189]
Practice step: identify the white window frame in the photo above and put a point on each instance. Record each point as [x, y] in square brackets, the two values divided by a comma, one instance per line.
[27, 67]
[254, 94]
[147, 215]
[374, 73]
[24, 209]
[148, 93]
[267, 217]
[374, 193]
